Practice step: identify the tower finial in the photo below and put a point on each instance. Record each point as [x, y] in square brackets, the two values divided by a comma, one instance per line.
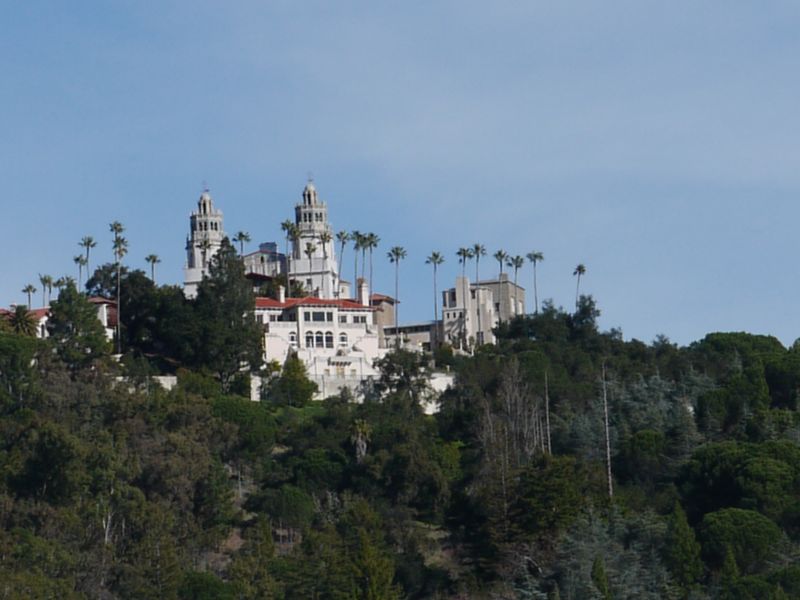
[310, 177]
[205, 185]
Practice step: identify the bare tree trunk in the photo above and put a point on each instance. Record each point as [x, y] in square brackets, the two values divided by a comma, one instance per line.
[608, 442]
[547, 412]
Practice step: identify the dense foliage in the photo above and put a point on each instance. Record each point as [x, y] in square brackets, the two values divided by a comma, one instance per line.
[113, 487]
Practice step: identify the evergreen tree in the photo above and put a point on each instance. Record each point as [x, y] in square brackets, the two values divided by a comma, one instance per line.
[230, 338]
[682, 551]
[75, 330]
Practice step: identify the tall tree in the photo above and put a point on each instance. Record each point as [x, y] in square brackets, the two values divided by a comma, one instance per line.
[153, 260]
[241, 237]
[478, 250]
[342, 237]
[435, 259]
[501, 256]
[682, 550]
[309, 252]
[535, 257]
[47, 286]
[225, 306]
[371, 240]
[396, 254]
[29, 289]
[87, 243]
[204, 246]
[120, 247]
[80, 260]
[464, 254]
[358, 239]
[516, 262]
[75, 330]
[288, 229]
[579, 271]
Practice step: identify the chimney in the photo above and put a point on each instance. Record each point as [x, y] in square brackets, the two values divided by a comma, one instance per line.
[363, 292]
[281, 294]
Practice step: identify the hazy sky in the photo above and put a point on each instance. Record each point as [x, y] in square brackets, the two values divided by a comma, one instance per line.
[658, 143]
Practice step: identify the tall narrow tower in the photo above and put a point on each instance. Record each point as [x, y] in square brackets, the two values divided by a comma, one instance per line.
[204, 239]
[315, 270]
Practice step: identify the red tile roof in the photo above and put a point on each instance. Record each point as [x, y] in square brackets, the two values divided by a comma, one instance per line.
[290, 302]
[380, 297]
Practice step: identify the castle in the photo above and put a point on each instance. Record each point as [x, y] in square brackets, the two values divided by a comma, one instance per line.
[337, 337]
[339, 329]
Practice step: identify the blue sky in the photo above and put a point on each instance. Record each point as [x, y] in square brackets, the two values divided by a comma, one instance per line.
[657, 143]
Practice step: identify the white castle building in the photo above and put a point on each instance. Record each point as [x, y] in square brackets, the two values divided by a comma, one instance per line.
[336, 337]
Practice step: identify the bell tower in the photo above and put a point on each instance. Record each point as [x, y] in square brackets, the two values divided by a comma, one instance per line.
[204, 239]
[313, 260]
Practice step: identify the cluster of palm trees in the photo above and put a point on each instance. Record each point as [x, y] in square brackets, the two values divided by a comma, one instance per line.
[476, 252]
[87, 243]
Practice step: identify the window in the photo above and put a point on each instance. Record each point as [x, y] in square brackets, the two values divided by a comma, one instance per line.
[273, 318]
[329, 340]
[329, 317]
[306, 316]
[320, 340]
[309, 339]
[343, 339]
[318, 317]
[259, 319]
[293, 339]
[342, 318]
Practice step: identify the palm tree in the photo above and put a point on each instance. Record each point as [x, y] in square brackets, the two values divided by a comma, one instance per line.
[153, 260]
[579, 271]
[357, 238]
[241, 237]
[309, 251]
[364, 245]
[501, 256]
[517, 262]
[478, 250]
[396, 254]
[120, 247]
[371, 241]
[22, 322]
[435, 259]
[204, 246]
[535, 257]
[464, 254]
[325, 238]
[87, 243]
[47, 286]
[80, 260]
[29, 289]
[288, 228]
[342, 237]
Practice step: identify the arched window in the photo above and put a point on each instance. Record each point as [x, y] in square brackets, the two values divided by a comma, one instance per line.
[343, 339]
[293, 339]
[320, 340]
[309, 339]
[329, 340]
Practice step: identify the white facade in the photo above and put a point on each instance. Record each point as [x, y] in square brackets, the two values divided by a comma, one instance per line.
[204, 240]
[471, 310]
[336, 339]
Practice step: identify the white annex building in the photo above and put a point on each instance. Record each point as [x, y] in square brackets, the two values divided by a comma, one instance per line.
[335, 336]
